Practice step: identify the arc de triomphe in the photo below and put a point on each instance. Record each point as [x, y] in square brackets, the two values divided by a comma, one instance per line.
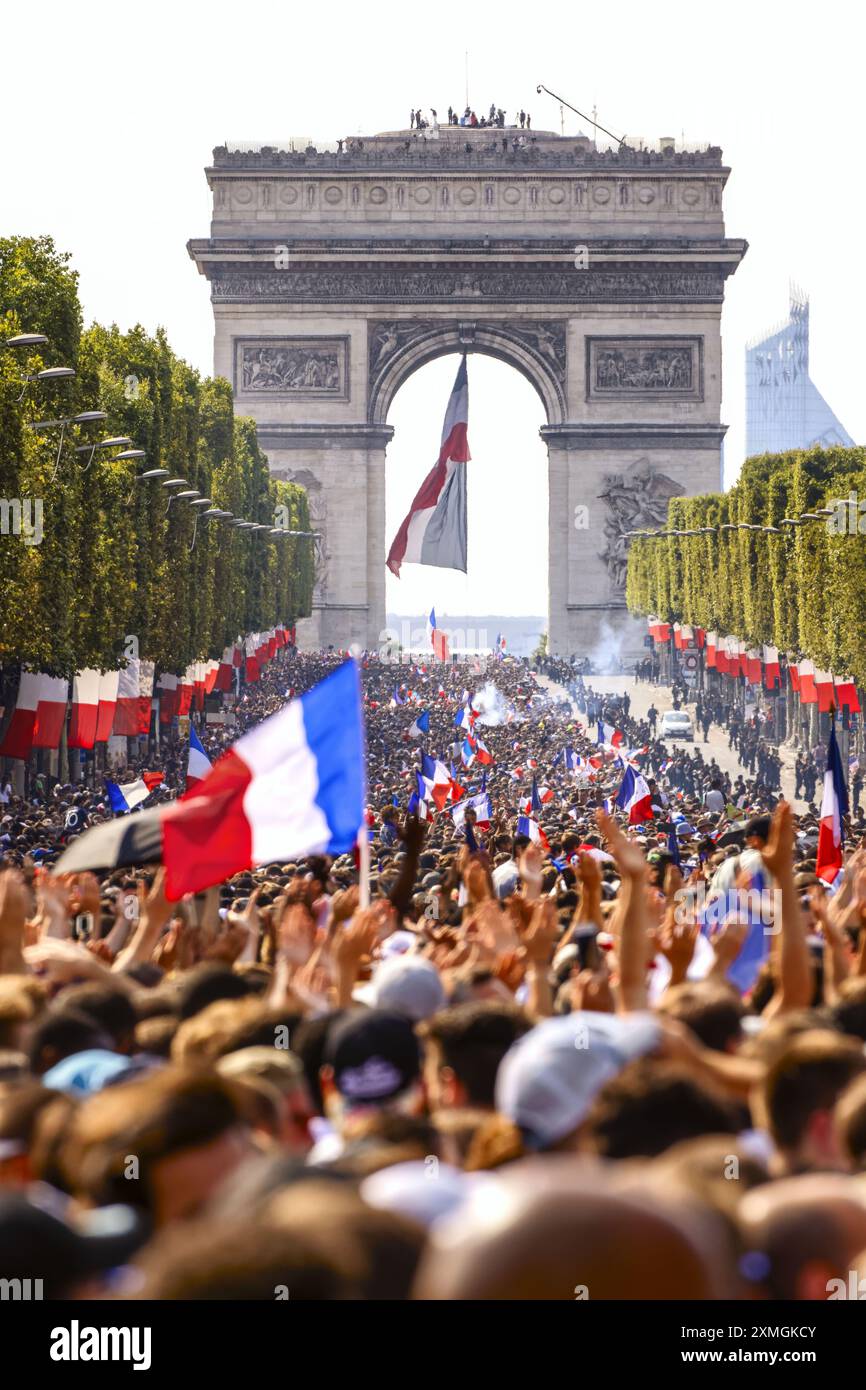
[597, 274]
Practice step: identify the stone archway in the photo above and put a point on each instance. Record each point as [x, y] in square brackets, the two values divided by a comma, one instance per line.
[598, 275]
[399, 347]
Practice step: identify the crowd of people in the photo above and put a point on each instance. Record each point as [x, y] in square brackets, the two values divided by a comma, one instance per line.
[495, 118]
[755, 733]
[564, 1052]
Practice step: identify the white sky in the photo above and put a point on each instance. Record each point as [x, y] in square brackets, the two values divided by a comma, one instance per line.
[111, 113]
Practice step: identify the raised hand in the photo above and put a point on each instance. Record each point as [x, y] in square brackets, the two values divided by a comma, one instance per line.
[589, 871]
[52, 905]
[297, 934]
[412, 834]
[778, 853]
[167, 951]
[230, 943]
[344, 905]
[676, 942]
[540, 937]
[84, 894]
[530, 866]
[477, 881]
[728, 942]
[673, 881]
[590, 992]
[492, 928]
[354, 944]
[629, 857]
[14, 902]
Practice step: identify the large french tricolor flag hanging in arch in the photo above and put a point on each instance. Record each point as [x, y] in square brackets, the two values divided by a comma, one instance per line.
[435, 532]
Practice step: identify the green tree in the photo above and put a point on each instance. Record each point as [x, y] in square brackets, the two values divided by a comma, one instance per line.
[800, 588]
[115, 557]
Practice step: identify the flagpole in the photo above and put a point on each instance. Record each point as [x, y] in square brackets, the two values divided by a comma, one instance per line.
[364, 866]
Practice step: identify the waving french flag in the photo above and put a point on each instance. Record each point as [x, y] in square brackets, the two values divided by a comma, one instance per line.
[418, 805]
[609, 735]
[125, 798]
[480, 804]
[834, 808]
[434, 531]
[437, 637]
[437, 780]
[421, 725]
[529, 807]
[457, 791]
[533, 831]
[292, 786]
[483, 753]
[465, 717]
[474, 751]
[635, 797]
[198, 764]
[539, 796]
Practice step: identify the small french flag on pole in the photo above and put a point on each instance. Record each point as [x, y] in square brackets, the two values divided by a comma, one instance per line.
[480, 804]
[539, 796]
[834, 808]
[635, 797]
[437, 638]
[418, 800]
[532, 830]
[198, 763]
[125, 798]
[437, 779]
[421, 725]
[609, 735]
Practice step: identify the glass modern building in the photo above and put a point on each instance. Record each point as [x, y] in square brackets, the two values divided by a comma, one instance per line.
[784, 408]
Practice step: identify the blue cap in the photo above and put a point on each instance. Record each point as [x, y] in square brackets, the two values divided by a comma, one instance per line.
[86, 1072]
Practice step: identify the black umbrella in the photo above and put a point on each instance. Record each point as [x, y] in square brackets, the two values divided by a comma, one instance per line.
[734, 835]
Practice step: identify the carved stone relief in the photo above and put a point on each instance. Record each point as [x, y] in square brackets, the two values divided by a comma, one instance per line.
[644, 368]
[296, 367]
[545, 338]
[635, 500]
[386, 339]
[373, 284]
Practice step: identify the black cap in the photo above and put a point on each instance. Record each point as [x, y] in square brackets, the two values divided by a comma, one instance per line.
[375, 1056]
[37, 1244]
